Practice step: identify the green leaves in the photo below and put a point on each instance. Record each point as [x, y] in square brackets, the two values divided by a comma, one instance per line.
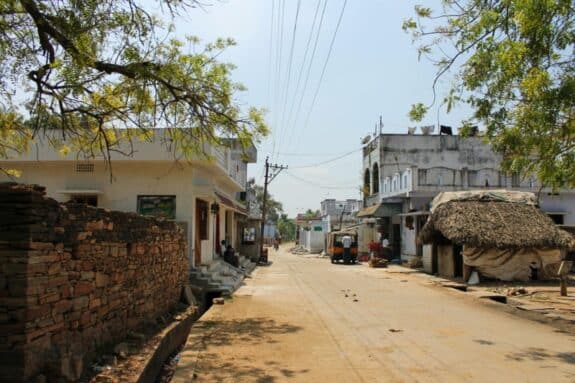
[417, 112]
[101, 69]
[514, 59]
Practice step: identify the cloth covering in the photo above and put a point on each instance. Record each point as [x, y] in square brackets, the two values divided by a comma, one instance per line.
[513, 264]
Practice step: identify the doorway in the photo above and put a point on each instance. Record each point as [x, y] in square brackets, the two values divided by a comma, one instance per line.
[457, 261]
[201, 229]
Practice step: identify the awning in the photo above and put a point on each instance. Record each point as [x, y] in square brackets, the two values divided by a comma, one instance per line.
[368, 211]
[80, 191]
[231, 204]
[380, 210]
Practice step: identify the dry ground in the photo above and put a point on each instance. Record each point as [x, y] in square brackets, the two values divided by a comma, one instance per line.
[303, 319]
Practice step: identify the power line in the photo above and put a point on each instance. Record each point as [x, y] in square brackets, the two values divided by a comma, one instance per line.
[294, 32]
[308, 70]
[325, 64]
[319, 185]
[328, 161]
[279, 49]
[270, 49]
[299, 77]
[270, 53]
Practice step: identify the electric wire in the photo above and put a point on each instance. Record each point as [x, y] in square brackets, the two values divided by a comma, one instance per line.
[270, 54]
[288, 77]
[279, 49]
[306, 82]
[315, 184]
[301, 71]
[327, 161]
[325, 64]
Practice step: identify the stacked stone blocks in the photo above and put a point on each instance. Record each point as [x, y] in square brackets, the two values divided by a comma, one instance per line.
[75, 279]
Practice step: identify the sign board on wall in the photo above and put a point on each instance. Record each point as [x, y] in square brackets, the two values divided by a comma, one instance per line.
[157, 205]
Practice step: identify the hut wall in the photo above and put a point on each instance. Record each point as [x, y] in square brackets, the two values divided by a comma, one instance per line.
[428, 258]
[408, 237]
[514, 264]
[445, 261]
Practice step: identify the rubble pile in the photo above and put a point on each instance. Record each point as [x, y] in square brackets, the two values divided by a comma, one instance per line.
[298, 250]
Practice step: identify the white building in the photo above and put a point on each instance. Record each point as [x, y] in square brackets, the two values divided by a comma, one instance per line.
[204, 194]
[334, 211]
[403, 172]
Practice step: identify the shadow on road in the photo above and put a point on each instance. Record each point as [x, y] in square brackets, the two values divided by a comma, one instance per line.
[216, 362]
[540, 354]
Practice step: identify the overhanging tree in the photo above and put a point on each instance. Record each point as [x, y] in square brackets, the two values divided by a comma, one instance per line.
[514, 65]
[273, 208]
[107, 72]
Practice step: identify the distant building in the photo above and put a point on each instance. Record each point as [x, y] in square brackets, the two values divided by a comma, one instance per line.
[403, 172]
[336, 213]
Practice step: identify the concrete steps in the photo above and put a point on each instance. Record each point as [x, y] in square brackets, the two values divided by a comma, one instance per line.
[220, 275]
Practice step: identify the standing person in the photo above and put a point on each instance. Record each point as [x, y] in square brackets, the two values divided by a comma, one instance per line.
[386, 251]
[346, 242]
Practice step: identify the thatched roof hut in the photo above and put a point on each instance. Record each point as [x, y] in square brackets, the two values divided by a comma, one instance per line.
[493, 224]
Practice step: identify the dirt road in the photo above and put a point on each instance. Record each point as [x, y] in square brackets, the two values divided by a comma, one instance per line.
[303, 319]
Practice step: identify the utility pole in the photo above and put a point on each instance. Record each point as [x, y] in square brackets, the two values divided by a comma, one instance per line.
[275, 170]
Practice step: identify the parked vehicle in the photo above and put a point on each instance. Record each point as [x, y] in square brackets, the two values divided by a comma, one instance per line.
[335, 246]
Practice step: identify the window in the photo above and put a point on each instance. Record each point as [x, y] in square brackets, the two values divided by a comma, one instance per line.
[375, 175]
[557, 218]
[84, 168]
[366, 183]
[157, 205]
[249, 236]
[86, 199]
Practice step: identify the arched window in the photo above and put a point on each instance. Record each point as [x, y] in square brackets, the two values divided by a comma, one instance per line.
[375, 175]
[366, 183]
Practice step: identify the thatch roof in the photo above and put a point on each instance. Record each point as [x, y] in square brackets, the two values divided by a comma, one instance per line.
[494, 224]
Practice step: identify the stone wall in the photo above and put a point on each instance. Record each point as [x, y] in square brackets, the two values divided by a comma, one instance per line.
[75, 279]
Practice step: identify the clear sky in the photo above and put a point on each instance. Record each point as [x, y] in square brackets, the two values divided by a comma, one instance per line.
[373, 70]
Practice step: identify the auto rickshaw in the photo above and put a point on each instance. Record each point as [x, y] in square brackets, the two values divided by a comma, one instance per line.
[335, 246]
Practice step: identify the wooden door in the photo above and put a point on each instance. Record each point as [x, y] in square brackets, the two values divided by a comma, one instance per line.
[201, 229]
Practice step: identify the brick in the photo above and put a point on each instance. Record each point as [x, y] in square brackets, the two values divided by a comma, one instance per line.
[85, 319]
[62, 306]
[65, 291]
[83, 235]
[102, 279]
[95, 225]
[83, 288]
[49, 298]
[80, 302]
[41, 246]
[56, 281]
[95, 302]
[54, 268]
[87, 275]
[87, 266]
[38, 312]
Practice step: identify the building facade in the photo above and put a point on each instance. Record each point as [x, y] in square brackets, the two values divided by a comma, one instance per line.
[337, 214]
[403, 172]
[204, 194]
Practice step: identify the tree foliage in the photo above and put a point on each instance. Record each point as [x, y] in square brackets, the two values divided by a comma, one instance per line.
[107, 72]
[273, 208]
[286, 227]
[514, 65]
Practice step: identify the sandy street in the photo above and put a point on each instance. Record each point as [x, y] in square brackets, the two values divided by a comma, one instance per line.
[303, 319]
